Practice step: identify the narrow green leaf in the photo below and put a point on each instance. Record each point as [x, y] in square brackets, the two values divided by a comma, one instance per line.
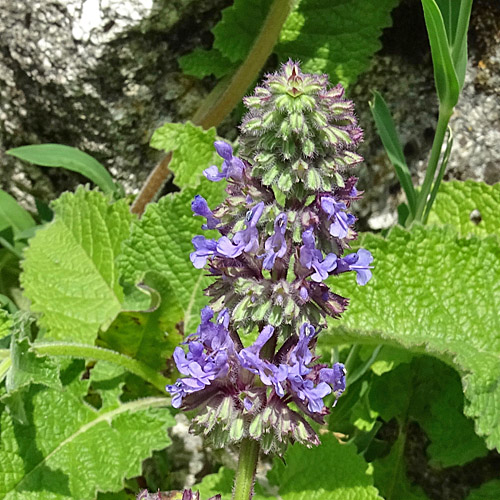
[13, 215]
[447, 84]
[387, 131]
[58, 155]
[456, 16]
[69, 271]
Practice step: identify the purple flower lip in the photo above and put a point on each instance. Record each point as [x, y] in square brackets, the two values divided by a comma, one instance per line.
[200, 207]
[359, 262]
[246, 240]
[336, 212]
[232, 166]
[275, 245]
[310, 257]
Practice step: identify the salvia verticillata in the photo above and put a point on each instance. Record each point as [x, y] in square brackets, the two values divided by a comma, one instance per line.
[284, 230]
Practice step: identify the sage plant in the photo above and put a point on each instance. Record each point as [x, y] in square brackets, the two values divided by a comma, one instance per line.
[285, 231]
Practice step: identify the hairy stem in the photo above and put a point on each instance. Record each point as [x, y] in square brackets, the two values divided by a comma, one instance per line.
[247, 465]
[100, 354]
[153, 184]
[228, 92]
[224, 97]
[444, 118]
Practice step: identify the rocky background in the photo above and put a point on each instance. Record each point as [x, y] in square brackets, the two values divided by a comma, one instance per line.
[101, 75]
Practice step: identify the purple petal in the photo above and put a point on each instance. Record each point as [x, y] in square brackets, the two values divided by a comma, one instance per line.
[224, 150]
[212, 174]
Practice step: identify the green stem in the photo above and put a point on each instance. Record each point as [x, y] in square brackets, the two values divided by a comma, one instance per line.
[229, 91]
[247, 465]
[100, 354]
[444, 118]
[439, 178]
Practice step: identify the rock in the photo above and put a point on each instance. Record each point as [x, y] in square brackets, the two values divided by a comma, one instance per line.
[99, 75]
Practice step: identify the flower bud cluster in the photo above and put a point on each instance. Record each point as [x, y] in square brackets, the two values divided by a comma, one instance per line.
[284, 229]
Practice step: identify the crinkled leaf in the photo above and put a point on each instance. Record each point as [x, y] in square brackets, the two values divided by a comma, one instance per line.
[28, 367]
[201, 63]
[470, 207]
[71, 450]
[488, 491]
[238, 28]
[148, 336]
[161, 241]
[330, 471]
[69, 270]
[5, 323]
[335, 37]
[433, 291]
[193, 150]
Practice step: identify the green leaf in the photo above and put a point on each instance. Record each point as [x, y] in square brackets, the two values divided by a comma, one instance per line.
[69, 271]
[161, 241]
[488, 491]
[71, 450]
[387, 131]
[330, 471]
[390, 475]
[470, 207]
[201, 63]
[27, 367]
[438, 293]
[430, 393]
[58, 155]
[447, 84]
[13, 215]
[456, 16]
[193, 150]
[150, 337]
[336, 37]
[239, 27]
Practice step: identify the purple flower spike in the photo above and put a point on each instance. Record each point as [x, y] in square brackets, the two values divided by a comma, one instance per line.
[276, 245]
[341, 221]
[310, 257]
[359, 262]
[204, 248]
[232, 167]
[200, 207]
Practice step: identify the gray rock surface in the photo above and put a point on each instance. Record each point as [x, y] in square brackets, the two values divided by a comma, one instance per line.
[101, 75]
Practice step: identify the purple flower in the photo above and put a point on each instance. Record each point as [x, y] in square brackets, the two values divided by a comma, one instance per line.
[232, 167]
[310, 257]
[204, 248]
[246, 240]
[275, 245]
[335, 376]
[359, 262]
[269, 373]
[200, 207]
[341, 221]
